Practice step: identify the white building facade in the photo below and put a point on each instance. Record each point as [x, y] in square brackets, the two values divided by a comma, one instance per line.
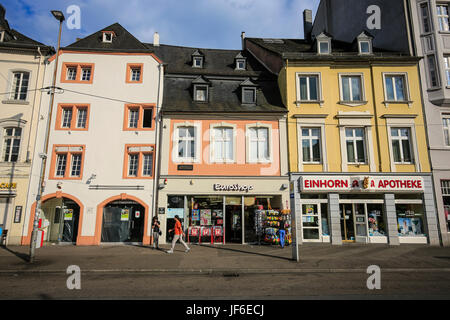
[100, 167]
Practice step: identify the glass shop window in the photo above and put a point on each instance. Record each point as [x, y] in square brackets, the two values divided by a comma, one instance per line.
[410, 220]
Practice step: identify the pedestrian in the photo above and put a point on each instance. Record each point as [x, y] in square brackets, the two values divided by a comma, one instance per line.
[179, 233]
[156, 232]
[282, 233]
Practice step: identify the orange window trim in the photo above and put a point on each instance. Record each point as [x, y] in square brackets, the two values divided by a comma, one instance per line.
[75, 109]
[53, 164]
[131, 66]
[79, 66]
[61, 51]
[141, 108]
[140, 164]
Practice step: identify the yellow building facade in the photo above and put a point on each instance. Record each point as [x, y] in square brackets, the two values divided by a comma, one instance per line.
[358, 154]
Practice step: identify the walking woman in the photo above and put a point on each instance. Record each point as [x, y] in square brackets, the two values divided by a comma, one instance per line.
[179, 233]
[156, 232]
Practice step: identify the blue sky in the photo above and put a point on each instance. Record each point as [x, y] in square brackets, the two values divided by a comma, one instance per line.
[194, 23]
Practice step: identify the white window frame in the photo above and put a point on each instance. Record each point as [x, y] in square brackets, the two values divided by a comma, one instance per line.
[83, 73]
[68, 73]
[427, 17]
[447, 69]
[310, 138]
[400, 139]
[406, 122]
[442, 17]
[4, 136]
[85, 118]
[11, 89]
[354, 138]
[446, 128]
[72, 163]
[360, 47]
[197, 142]
[240, 60]
[341, 90]
[253, 89]
[298, 75]
[194, 62]
[328, 42]
[105, 39]
[213, 141]
[313, 122]
[432, 68]
[198, 86]
[404, 75]
[248, 143]
[152, 154]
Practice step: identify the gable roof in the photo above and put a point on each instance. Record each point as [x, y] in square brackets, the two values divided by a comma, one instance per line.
[122, 41]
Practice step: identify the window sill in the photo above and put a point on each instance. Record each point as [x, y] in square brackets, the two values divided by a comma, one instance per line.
[408, 102]
[432, 89]
[353, 103]
[404, 163]
[298, 103]
[22, 102]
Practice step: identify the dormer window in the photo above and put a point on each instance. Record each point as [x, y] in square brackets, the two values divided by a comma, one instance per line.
[197, 59]
[323, 44]
[201, 93]
[240, 64]
[198, 62]
[108, 36]
[248, 92]
[364, 43]
[324, 47]
[240, 61]
[200, 89]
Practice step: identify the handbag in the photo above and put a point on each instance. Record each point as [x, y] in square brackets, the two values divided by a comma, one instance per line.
[160, 233]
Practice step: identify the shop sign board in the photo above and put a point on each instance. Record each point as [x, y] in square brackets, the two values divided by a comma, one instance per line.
[232, 187]
[8, 185]
[18, 214]
[357, 183]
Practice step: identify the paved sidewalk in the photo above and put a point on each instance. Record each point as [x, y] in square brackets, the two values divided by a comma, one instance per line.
[226, 259]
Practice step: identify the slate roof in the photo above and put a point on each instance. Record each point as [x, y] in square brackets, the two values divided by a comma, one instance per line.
[122, 41]
[306, 50]
[215, 62]
[224, 82]
[13, 39]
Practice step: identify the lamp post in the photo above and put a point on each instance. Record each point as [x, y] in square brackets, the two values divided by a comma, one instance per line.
[60, 17]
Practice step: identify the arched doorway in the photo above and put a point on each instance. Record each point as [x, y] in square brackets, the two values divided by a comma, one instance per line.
[123, 221]
[62, 215]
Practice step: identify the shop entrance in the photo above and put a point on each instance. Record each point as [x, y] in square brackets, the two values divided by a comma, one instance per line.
[123, 221]
[62, 217]
[353, 222]
[233, 219]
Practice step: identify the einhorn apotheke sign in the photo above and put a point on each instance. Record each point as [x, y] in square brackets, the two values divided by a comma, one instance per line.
[357, 183]
[232, 187]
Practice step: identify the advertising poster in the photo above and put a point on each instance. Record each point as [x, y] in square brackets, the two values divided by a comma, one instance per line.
[217, 213]
[205, 217]
[125, 215]
[172, 212]
[68, 214]
[404, 226]
[195, 215]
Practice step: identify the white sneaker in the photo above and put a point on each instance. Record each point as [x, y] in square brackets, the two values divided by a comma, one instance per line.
[187, 250]
[170, 251]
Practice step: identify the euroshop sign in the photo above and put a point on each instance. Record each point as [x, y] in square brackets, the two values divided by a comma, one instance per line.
[356, 183]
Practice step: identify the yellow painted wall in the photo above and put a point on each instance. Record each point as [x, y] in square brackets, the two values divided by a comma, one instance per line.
[374, 95]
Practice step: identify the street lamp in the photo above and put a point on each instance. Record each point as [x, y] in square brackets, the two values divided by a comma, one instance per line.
[60, 17]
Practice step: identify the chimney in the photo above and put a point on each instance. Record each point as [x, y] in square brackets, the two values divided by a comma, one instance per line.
[243, 40]
[307, 24]
[156, 39]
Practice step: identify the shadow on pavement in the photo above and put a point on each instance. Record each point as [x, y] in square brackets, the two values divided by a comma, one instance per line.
[20, 255]
[245, 251]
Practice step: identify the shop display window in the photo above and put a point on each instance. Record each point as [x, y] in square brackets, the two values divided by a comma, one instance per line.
[310, 222]
[410, 220]
[375, 219]
[206, 218]
[447, 212]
